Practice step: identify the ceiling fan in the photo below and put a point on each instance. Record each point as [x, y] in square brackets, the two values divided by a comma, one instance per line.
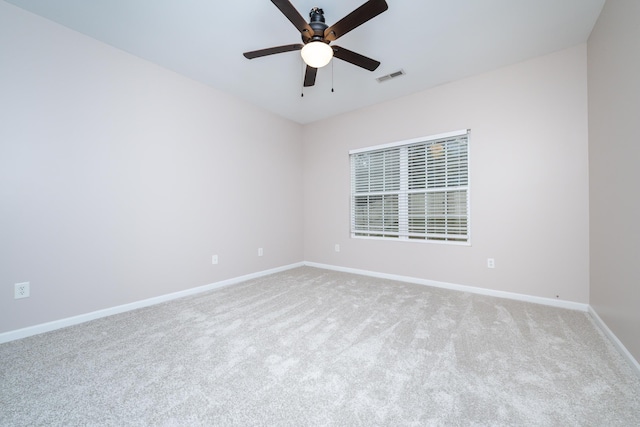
[316, 37]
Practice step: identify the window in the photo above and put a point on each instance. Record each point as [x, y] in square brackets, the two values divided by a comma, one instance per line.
[412, 190]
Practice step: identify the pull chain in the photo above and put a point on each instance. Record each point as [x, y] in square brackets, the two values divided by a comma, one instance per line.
[332, 61]
[303, 71]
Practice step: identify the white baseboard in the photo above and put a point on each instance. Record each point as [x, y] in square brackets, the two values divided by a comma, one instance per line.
[70, 321]
[500, 294]
[614, 339]
[471, 289]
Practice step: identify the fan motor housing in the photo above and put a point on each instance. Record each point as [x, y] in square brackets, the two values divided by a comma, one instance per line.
[317, 23]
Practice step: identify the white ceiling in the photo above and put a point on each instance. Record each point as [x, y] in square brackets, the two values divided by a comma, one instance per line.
[433, 41]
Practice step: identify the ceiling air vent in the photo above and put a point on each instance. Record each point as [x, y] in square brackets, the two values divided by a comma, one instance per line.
[391, 76]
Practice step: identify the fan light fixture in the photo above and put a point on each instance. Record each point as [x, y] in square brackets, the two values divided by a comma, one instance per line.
[316, 54]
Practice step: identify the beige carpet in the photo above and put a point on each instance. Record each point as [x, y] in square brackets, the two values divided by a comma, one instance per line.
[309, 347]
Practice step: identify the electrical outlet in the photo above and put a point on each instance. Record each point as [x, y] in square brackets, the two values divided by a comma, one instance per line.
[491, 263]
[337, 247]
[21, 290]
[260, 252]
[214, 259]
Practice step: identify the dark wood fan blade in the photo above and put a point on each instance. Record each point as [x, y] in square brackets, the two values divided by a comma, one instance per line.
[355, 58]
[367, 11]
[272, 50]
[310, 76]
[294, 16]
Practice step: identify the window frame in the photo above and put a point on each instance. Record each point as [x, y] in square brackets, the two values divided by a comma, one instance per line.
[403, 216]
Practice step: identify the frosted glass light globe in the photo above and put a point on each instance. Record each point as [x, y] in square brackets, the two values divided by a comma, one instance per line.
[316, 54]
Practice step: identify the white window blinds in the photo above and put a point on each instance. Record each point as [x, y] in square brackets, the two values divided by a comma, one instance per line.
[414, 190]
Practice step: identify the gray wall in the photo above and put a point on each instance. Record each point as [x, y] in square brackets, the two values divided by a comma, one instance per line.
[120, 179]
[529, 180]
[614, 156]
